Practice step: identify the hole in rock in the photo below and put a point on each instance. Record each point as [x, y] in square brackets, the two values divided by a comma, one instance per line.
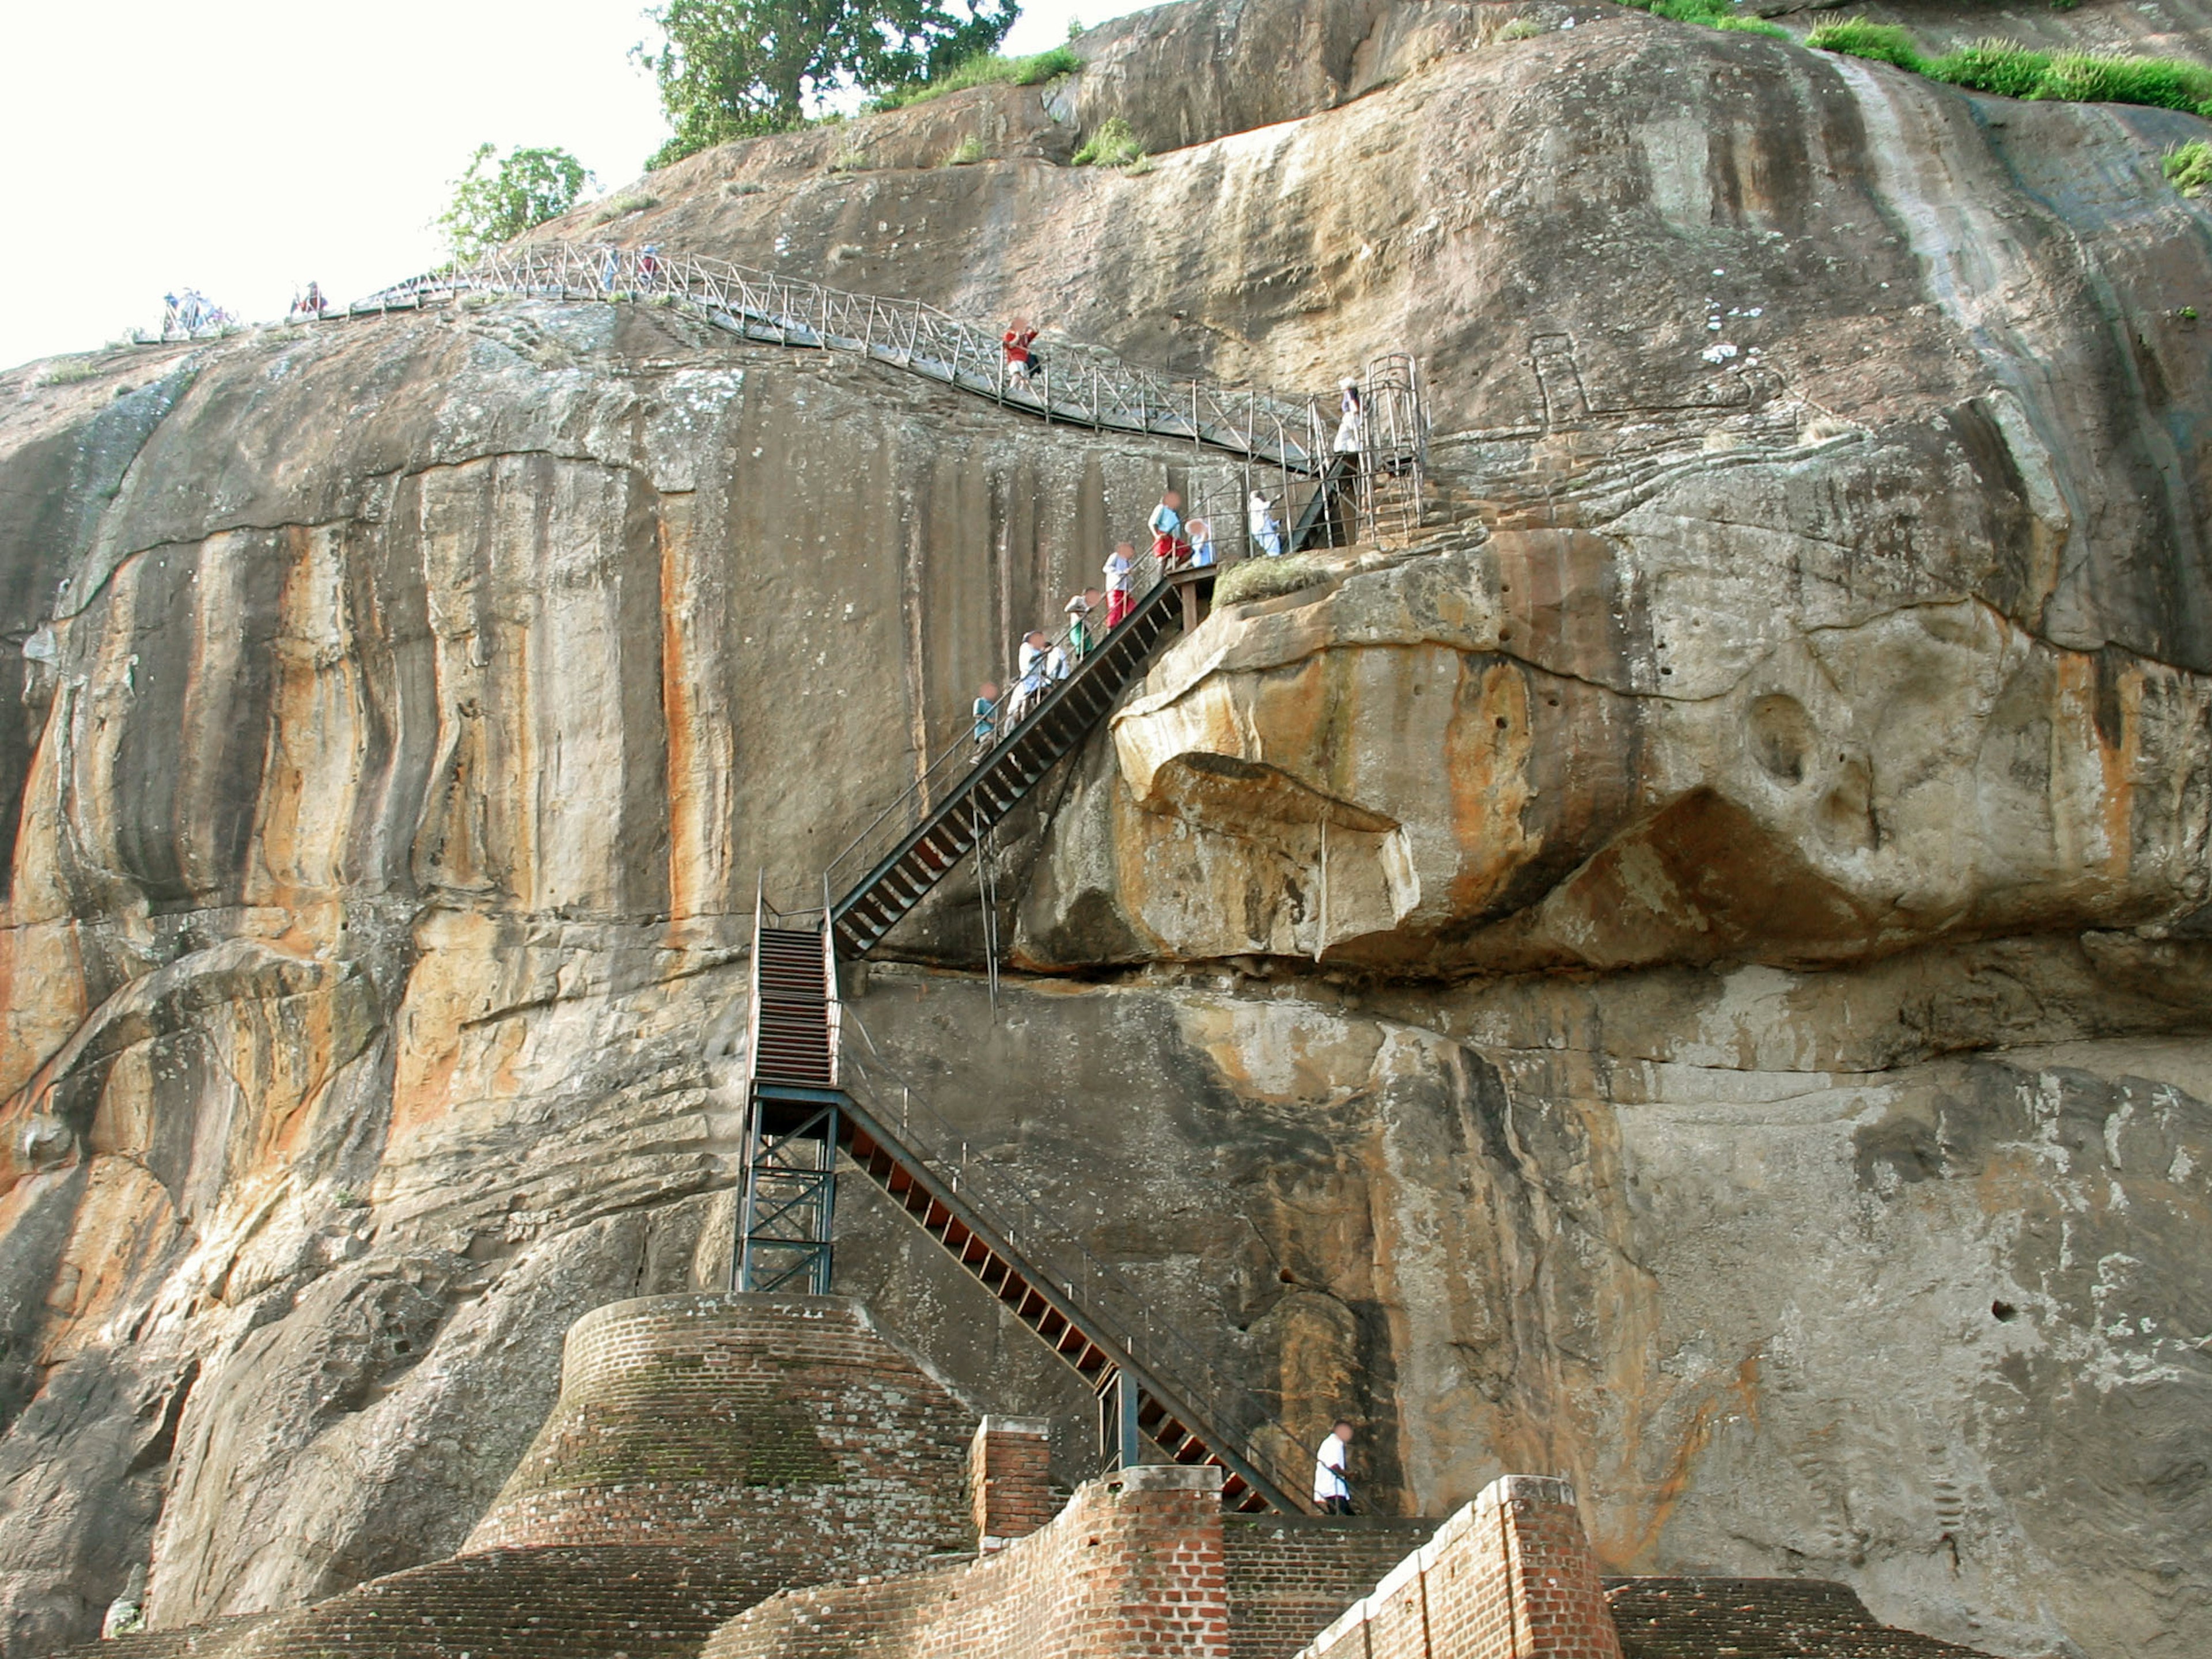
[1781, 737]
[2002, 1312]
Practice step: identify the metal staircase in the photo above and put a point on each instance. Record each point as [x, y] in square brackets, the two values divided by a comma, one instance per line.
[916, 842]
[802, 1114]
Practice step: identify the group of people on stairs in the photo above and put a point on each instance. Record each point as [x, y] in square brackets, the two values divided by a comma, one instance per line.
[1042, 661]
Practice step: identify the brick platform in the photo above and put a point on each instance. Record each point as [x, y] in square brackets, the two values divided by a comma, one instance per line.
[1758, 1619]
[786, 1428]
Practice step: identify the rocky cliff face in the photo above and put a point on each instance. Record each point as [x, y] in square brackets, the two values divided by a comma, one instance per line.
[1694, 978]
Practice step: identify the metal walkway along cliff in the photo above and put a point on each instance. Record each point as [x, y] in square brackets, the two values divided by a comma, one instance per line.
[1080, 387]
[810, 1095]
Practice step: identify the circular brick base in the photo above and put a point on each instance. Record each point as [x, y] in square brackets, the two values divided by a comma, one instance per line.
[785, 1427]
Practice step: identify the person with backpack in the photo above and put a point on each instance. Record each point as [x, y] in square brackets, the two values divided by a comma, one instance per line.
[1078, 627]
[1332, 1492]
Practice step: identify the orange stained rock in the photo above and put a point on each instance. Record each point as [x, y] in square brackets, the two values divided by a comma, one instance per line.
[1486, 760]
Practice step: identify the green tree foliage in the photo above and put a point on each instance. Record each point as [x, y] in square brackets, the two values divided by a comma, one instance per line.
[734, 69]
[496, 200]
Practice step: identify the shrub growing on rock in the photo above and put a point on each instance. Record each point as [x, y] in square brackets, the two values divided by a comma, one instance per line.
[1112, 146]
[985, 68]
[1857, 37]
[2189, 166]
[1710, 14]
[2012, 70]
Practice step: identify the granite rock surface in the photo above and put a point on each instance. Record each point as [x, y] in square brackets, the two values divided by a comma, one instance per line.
[1691, 973]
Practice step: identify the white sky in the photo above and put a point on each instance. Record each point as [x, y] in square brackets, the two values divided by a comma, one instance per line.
[244, 146]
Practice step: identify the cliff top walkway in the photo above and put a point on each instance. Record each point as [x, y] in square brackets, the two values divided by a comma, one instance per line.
[1078, 386]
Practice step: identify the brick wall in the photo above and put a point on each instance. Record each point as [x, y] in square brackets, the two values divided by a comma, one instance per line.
[1131, 1568]
[1289, 1576]
[1509, 1576]
[784, 1428]
[1010, 1491]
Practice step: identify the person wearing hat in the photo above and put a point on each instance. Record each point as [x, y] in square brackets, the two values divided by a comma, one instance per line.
[1078, 628]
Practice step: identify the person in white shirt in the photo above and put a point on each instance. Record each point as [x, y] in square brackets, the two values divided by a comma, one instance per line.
[1029, 687]
[1118, 583]
[1264, 530]
[1331, 1491]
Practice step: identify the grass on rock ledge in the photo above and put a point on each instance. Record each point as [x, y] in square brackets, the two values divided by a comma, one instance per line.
[1114, 145]
[2011, 70]
[1712, 14]
[2189, 166]
[985, 68]
[1268, 578]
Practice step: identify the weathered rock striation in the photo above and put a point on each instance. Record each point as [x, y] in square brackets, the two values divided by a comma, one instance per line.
[1694, 977]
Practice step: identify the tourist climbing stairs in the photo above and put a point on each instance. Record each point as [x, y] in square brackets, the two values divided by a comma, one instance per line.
[916, 842]
[804, 1109]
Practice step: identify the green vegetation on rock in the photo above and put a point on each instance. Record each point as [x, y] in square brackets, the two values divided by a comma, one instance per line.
[495, 202]
[1268, 578]
[1112, 146]
[2189, 166]
[737, 68]
[1710, 14]
[2012, 70]
[984, 69]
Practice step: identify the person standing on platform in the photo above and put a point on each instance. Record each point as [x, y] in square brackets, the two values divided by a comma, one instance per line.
[1078, 627]
[1266, 534]
[1331, 1490]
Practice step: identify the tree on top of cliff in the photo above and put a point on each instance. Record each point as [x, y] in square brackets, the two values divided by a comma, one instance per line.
[494, 202]
[735, 69]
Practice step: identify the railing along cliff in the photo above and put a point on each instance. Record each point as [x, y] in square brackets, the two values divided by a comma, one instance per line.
[1079, 386]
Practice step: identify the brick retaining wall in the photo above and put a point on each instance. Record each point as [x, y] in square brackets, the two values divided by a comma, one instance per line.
[1290, 1576]
[1509, 1576]
[1131, 1568]
[786, 1428]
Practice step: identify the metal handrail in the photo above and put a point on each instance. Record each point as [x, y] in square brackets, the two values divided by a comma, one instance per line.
[1121, 1313]
[1090, 387]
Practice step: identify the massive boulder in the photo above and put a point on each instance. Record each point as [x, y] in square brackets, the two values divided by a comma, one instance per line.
[1689, 971]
